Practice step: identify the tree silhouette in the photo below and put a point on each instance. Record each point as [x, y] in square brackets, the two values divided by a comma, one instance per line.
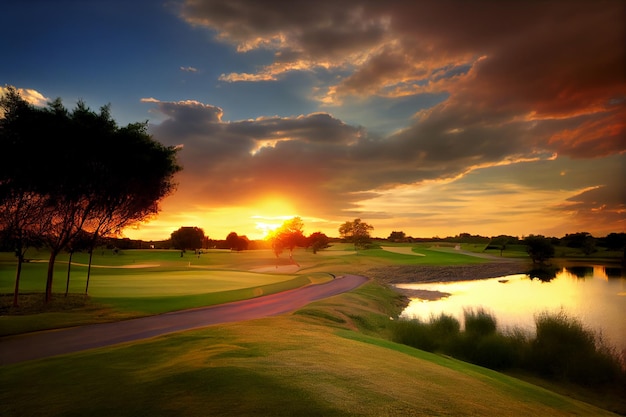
[288, 236]
[356, 232]
[236, 242]
[318, 241]
[539, 248]
[187, 238]
[89, 174]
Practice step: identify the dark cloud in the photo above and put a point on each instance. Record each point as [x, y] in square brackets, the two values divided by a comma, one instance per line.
[540, 60]
[518, 81]
[319, 158]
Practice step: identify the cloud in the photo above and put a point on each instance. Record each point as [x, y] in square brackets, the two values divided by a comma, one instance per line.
[33, 97]
[318, 159]
[556, 67]
[517, 84]
[188, 69]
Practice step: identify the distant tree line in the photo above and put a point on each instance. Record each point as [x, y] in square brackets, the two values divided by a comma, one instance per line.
[70, 177]
[540, 248]
[286, 237]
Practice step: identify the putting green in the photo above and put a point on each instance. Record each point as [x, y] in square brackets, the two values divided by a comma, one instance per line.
[173, 283]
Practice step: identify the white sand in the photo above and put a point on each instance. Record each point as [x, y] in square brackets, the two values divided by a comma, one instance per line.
[279, 269]
[403, 250]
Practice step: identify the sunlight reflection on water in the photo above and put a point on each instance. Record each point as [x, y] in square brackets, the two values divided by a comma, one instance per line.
[595, 295]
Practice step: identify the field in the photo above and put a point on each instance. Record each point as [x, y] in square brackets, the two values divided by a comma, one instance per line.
[330, 358]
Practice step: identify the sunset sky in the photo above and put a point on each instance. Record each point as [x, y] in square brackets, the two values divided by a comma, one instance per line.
[430, 117]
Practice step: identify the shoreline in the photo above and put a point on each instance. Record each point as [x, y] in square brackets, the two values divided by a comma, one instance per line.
[407, 274]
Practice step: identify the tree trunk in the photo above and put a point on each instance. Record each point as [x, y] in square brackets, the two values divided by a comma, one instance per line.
[69, 266]
[53, 256]
[88, 271]
[18, 273]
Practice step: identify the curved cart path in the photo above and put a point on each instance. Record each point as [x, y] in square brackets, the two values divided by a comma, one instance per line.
[42, 344]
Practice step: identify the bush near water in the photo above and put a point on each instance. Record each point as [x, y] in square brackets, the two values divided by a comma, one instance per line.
[562, 348]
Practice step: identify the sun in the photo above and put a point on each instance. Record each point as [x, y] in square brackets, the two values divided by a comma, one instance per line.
[265, 228]
[271, 213]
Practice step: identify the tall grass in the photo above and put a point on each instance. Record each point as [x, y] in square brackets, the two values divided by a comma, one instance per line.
[562, 348]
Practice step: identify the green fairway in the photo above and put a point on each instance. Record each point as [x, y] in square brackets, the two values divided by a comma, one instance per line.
[134, 283]
[299, 364]
[330, 358]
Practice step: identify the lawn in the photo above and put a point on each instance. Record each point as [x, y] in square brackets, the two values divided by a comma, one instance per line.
[330, 358]
[323, 360]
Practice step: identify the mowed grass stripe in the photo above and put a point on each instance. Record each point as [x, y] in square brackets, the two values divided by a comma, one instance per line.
[280, 366]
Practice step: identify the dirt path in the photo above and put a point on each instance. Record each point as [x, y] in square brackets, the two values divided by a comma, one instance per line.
[43, 344]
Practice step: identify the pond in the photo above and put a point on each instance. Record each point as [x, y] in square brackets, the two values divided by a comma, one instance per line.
[595, 295]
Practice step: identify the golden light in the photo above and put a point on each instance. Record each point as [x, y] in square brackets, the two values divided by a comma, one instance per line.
[271, 213]
[266, 228]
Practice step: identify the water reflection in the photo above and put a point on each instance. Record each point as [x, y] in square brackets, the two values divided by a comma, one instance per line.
[594, 294]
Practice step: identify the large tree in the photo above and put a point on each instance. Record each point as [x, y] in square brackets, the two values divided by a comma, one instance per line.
[356, 232]
[91, 175]
[539, 248]
[288, 236]
[187, 238]
[318, 241]
[237, 243]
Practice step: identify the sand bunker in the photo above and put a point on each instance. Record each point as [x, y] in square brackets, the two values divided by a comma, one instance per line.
[403, 250]
[279, 269]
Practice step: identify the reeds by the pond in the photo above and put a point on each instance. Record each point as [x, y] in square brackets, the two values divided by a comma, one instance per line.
[561, 348]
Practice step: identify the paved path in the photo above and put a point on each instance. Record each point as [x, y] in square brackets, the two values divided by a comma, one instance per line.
[37, 345]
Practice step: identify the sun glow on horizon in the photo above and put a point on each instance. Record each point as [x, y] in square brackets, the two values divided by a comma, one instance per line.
[268, 214]
[267, 228]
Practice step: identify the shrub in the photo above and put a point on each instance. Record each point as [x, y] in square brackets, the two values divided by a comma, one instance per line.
[437, 335]
[494, 351]
[479, 323]
[564, 349]
[414, 333]
[445, 331]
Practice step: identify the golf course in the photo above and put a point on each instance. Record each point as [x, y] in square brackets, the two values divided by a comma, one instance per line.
[328, 355]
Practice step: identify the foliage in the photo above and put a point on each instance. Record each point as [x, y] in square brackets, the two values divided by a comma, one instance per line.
[356, 232]
[479, 323]
[565, 349]
[397, 236]
[562, 348]
[582, 240]
[188, 238]
[615, 241]
[318, 241]
[236, 242]
[72, 187]
[288, 236]
[539, 248]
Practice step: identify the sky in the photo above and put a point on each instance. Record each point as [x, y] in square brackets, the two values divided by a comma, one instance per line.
[433, 118]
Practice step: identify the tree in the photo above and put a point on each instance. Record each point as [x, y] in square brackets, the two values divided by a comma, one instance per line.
[539, 248]
[615, 241]
[397, 237]
[288, 236]
[501, 242]
[80, 242]
[188, 238]
[101, 191]
[318, 241]
[236, 242]
[356, 232]
[581, 240]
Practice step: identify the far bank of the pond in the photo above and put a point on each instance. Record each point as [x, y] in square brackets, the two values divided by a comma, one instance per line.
[436, 273]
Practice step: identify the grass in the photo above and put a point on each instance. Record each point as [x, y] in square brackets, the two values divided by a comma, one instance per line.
[563, 350]
[330, 358]
[296, 364]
